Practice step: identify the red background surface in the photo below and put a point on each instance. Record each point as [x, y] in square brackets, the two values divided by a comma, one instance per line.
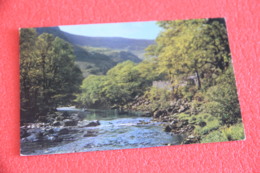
[242, 17]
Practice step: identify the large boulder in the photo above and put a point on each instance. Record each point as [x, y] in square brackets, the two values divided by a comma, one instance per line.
[93, 123]
[63, 131]
[59, 118]
[202, 124]
[90, 134]
[147, 114]
[56, 123]
[179, 124]
[70, 122]
[65, 114]
[191, 139]
[167, 128]
[159, 113]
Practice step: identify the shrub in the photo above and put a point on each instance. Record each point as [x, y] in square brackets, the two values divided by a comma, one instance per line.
[235, 132]
[195, 107]
[158, 97]
[214, 136]
[222, 100]
[212, 123]
[183, 116]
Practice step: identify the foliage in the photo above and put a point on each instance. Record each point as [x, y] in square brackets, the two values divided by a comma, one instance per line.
[48, 75]
[158, 98]
[222, 100]
[194, 56]
[235, 132]
[211, 125]
[215, 136]
[121, 84]
[204, 123]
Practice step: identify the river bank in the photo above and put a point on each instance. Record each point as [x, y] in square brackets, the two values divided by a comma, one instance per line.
[187, 119]
[66, 132]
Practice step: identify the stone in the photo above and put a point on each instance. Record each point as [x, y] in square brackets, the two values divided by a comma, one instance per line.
[59, 118]
[65, 114]
[93, 123]
[179, 124]
[167, 128]
[63, 131]
[70, 122]
[202, 124]
[157, 114]
[23, 133]
[89, 134]
[147, 114]
[182, 109]
[185, 122]
[191, 137]
[56, 123]
[170, 109]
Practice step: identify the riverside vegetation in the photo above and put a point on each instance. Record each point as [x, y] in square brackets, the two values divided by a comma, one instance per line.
[186, 80]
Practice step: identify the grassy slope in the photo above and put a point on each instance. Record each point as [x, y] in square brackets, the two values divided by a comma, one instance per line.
[213, 131]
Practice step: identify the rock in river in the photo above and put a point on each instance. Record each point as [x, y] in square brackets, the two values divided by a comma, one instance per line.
[69, 122]
[93, 123]
[167, 128]
[63, 131]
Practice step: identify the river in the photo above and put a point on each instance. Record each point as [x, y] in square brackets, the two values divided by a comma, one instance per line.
[116, 131]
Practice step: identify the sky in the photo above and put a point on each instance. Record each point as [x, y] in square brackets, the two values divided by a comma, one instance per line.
[137, 30]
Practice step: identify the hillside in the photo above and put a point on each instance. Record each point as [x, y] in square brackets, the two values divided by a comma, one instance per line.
[96, 55]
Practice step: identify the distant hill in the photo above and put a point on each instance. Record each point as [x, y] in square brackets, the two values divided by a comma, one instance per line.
[96, 55]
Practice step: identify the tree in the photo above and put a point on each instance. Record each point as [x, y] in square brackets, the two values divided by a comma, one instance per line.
[191, 47]
[222, 99]
[49, 76]
[121, 84]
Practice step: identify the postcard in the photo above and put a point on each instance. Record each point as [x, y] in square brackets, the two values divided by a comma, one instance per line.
[126, 85]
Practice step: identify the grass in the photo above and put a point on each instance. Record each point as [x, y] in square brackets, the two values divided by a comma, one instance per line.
[235, 132]
[204, 123]
[212, 123]
[211, 130]
[232, 133]
[214, 136]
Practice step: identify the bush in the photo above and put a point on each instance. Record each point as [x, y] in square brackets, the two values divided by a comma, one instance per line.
[187, 92]
[212, 123]
[183, 116]
[195, 107]
[210, 126]
[222, 100]
[215, 136]
[235, 132]
[158, 97]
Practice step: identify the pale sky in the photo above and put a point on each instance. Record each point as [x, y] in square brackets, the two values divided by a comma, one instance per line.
[138, 30]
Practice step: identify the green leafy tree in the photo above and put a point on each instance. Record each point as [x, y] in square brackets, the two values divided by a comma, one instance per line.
[222, 99]
[191, 47]
[52, 78]
[121, 84]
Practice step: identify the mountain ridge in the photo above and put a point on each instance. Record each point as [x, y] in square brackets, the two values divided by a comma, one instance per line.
[96, 55]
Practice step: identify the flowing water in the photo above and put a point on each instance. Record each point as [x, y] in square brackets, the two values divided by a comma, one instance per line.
[116, 131]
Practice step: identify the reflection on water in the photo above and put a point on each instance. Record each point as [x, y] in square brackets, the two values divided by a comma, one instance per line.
[118, 130]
